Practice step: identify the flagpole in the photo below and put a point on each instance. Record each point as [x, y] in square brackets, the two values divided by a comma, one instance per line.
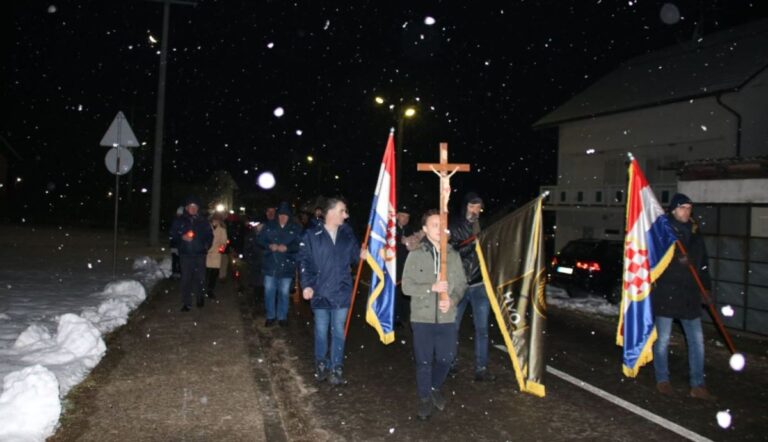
[707, 300]
[357, 280]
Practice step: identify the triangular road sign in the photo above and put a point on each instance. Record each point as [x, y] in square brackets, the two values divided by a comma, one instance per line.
[119, 133]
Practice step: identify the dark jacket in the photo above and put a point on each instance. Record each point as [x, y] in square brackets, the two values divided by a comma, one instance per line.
[280, 264]
[325, 266]
[201, 229]
[675, 294]
[402, 250]
[463, 235]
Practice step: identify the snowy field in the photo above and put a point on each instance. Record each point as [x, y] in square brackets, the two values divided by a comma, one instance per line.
[58, 298]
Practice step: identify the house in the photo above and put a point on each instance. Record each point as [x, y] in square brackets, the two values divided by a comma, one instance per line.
[677, 110]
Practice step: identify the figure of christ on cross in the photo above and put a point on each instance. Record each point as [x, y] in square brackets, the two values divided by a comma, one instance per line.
[444, 170]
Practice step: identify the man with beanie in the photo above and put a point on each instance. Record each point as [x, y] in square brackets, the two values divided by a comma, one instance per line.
[675, 296]
[464, 233]
[193, 235]
[280, 240]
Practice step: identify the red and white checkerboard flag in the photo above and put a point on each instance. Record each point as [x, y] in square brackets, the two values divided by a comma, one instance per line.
[648, 248]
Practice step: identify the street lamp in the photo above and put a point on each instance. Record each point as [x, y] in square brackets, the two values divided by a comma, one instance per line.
[402, 114]
[408, 113]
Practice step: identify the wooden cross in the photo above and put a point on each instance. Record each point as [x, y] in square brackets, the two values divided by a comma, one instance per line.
[444, 170]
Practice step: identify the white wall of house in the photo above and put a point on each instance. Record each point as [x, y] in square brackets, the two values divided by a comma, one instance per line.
[752, 103]
[592, 153]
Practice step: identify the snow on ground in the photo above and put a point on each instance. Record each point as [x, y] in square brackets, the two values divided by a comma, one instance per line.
[58, 297]
[589, 304]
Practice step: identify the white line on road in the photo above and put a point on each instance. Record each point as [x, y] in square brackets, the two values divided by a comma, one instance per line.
[669, 425]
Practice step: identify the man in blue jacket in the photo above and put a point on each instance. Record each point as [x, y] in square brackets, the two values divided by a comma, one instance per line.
[326, 253]
[280, 240]
[193, 235]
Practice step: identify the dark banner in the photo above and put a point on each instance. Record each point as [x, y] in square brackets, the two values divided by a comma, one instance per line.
[511, 256]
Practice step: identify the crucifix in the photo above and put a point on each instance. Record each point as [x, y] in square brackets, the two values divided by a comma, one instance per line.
[444, 170]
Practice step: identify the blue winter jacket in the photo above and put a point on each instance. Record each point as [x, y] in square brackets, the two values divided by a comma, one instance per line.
[280, 264]
[325, 266]
[203, 234]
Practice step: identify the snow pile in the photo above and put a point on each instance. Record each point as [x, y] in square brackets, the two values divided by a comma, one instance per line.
[590, 304]
[121, 298]
[29, 405]
[40, 367]
[147, 269]
[71, 354]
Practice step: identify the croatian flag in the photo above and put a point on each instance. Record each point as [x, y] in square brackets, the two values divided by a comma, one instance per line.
[382, 249]
[648, 248]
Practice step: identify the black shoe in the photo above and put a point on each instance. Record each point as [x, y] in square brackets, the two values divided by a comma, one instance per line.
[425, 408]
[185, 308]
[438, 400]
[200, 302]
[269, 323]
[321, 373]
[337, 379]
[484, 376]
[283, 323]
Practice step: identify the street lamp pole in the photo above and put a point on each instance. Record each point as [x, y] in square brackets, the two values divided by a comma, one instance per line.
[157, 165]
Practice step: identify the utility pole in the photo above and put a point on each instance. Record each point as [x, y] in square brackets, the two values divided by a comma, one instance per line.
[157, 165]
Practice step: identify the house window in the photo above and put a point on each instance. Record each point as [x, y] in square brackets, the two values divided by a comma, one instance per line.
[665, 196]
[562, 197]
[599, 196]
[580, 196]
[619, 196]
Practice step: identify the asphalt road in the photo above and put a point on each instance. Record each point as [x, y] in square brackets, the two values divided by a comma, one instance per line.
[218, 373]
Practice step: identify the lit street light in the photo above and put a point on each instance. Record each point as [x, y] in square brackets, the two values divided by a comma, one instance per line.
[402, 114]
[406, 114]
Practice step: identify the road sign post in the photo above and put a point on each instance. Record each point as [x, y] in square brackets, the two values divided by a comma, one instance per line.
[118, 161]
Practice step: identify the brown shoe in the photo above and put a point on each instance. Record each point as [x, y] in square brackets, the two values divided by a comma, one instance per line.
[665, 388]
[701, 393]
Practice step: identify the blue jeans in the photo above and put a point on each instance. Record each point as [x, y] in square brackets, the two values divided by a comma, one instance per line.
[279, 288]
[481, 308]
[334, 319]
[694, 338]
[434, 349]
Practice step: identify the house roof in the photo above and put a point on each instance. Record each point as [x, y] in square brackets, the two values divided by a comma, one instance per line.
[720, 62]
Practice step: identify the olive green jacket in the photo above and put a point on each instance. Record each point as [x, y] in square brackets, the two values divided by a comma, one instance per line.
[420, 272]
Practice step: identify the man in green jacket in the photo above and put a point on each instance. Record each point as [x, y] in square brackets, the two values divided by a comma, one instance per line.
[432, 320]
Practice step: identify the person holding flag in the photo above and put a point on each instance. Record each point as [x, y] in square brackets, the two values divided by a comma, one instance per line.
[326, 253]
[675, 297]
[432, 319]
[381, 244]
[658, 282]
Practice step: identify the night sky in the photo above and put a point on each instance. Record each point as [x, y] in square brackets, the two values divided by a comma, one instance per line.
[479, 76]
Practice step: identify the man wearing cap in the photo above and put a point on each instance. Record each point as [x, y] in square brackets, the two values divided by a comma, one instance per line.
[280, 240]
[464, 233]
[675, 296]
[193, 235]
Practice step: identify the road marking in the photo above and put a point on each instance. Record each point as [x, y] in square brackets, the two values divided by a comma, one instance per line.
[664, 423]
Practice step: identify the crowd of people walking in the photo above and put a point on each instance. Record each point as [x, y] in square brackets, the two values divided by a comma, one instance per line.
[312, 255]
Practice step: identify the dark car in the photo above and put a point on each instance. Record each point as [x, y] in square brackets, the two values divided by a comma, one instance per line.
[589, 266]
